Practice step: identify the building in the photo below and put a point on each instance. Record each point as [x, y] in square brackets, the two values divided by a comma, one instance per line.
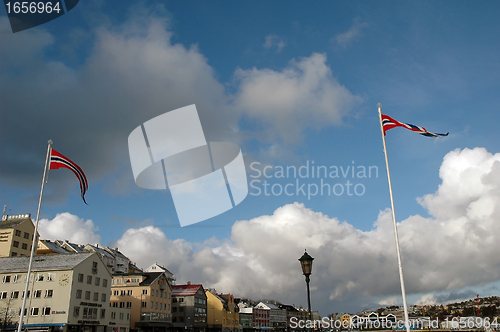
[107, 258]
[189, 308]
[222, 312]
[121, 261]
[158, 268]
[291, 312]
[148, 295]
[68, 292]
[277, 316]
[16, 235]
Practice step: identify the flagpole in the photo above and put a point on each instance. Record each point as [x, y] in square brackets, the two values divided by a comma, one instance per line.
[34, 244]
[401, 279]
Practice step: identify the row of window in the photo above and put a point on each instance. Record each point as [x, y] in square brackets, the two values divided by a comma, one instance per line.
[36, 294]
[26, 235]
[79, 294]
[122, 316]
[38, 277]
[89, 313]
[35, 311]
[97, 280]
[23, 245]
[129, 292]
[154, 305]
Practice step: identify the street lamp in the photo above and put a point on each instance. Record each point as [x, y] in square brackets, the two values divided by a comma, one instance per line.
[306, 262]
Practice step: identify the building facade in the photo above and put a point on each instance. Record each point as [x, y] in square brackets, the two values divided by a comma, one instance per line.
[67, 292]
[16, 235]
[148, 296]
[222, 313]
[189, 308]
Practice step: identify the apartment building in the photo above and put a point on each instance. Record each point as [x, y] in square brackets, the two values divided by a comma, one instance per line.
[222, 312]
[148, 295]
[277, 316]
[67, 292]
[16, 235]
[189, 308]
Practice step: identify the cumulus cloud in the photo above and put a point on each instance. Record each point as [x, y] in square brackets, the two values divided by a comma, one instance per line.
[273, 41]
[443, 253]
[304, 94]
[66, 226]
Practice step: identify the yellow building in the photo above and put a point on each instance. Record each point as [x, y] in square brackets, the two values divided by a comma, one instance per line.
[16, 235]
[147, 295]
[222, 313]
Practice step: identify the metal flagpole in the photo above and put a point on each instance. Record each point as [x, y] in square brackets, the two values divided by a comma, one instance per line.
[34, 244]
[401, 279]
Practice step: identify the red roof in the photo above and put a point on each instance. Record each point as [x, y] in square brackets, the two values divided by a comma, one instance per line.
[185, 290]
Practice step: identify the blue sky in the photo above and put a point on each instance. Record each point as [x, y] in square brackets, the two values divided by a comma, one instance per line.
[290, 82]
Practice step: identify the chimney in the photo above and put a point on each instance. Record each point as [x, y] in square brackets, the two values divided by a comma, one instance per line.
[116, 249]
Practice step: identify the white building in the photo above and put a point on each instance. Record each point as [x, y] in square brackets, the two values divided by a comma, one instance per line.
[67, 293]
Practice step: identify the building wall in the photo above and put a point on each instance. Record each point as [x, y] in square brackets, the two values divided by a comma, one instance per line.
[18, 243]
[53, 295]
[154, 298]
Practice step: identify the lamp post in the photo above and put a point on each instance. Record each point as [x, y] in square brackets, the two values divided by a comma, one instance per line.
[306, 262]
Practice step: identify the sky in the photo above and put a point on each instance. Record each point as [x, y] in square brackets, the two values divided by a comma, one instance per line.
[293, 84]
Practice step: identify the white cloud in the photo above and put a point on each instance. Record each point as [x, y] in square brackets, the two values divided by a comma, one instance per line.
[274, 41]
[66, 226]
[443, 253]
[302, 95]
[355, 31]
[454, 249]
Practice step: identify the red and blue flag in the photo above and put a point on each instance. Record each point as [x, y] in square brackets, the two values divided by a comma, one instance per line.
[389, 123]
[57, 160]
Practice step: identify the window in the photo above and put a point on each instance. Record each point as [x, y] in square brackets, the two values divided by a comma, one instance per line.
[96, 296]
[34, 311]
[46, 311]
[89, 280]
[25, 311]
[3, 295]
[14, 254]
[113, 315]
[86, 312]
[104, 282]
[24, 246]
[76, 311]
[156, 292]
[26, 235]
[37, 294]
[39, 277]
[121, 315]
[161, 305]
[156, 305]
[152, 304]
[144, 292]
[118, 281]
[103, 297]
[97, 281]
[49, 292]
[116, 293]
[14, 295]
[80, 277]
[129, 292]
[115, 305]
[129, 304]
[144, 304]
[103, 313]
[15, 244]
[78, 293]
[6, 279]
[27, 296]
[18, 232]
[16, 278]
[122, 292]
[122, 304]
[87, 295]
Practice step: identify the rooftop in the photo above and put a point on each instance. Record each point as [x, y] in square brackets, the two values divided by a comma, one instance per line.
[42, 262]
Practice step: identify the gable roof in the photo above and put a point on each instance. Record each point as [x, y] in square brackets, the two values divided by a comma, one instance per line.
[42, 262]
[186, 290]
[53, 247]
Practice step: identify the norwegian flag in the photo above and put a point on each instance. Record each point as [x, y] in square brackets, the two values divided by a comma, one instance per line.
[57, 160]
[389, 123]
